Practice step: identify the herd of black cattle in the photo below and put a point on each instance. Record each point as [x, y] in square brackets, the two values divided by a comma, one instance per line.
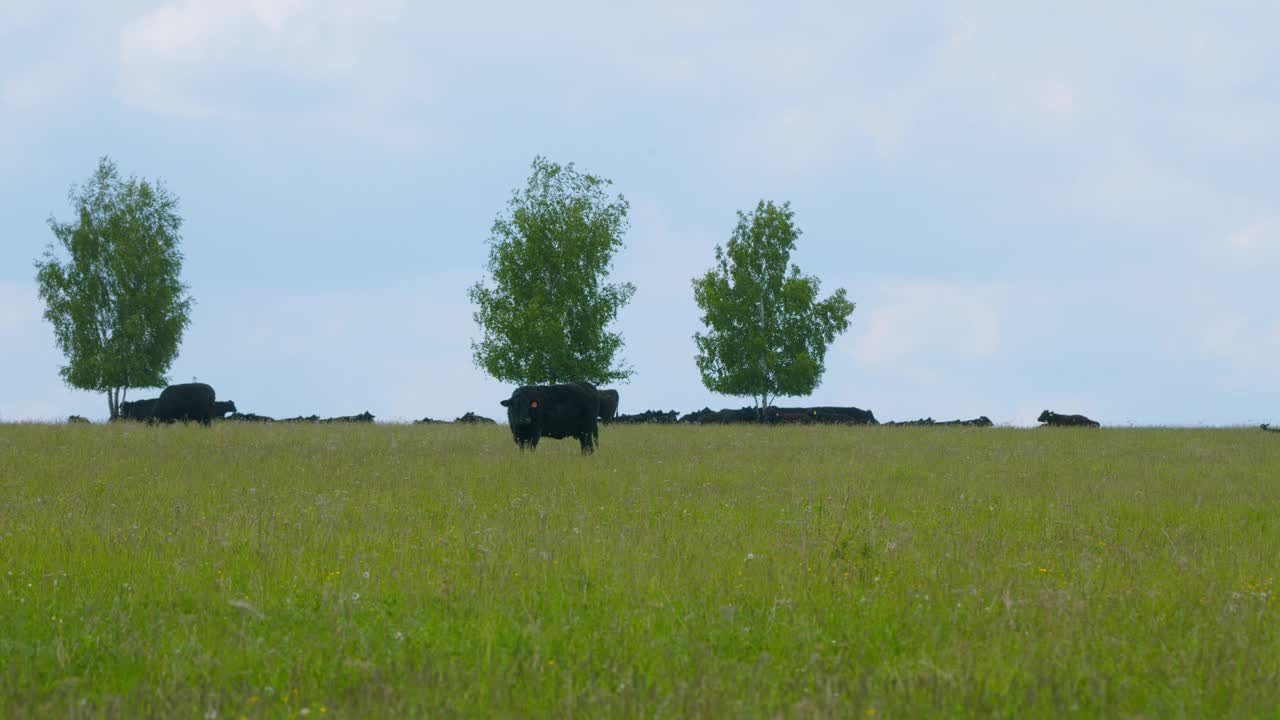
[556, 411]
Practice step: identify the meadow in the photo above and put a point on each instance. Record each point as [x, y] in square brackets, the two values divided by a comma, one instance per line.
[434, 571]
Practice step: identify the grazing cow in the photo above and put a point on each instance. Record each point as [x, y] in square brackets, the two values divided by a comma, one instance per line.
[77, 419]
[473, 418]
[138, 409]
[250, 417]
[1053, 418]
[557, 411]
[608, 405]
[428, 421]
[188, 401]
[222, 407]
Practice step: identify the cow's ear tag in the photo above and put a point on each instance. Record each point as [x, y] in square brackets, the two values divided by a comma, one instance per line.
[533, 404]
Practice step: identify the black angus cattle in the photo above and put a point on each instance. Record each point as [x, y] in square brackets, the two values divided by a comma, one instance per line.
[138, 409]
[648, 416]
[1054, 419]
[1268, 428]
[842, 415]
[608, 405]
[77, 419]
[557, 411]
[707, 416]
[250, 417]
[980, 421]
[222, 407]
[187, 401]
[471, 417]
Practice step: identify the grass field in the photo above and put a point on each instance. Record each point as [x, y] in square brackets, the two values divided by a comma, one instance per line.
[402, 571]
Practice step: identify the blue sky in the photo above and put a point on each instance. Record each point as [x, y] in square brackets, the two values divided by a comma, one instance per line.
[1034, 205]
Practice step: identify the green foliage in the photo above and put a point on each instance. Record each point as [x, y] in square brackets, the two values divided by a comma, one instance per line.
[545, 319]
[767, 332]
[398, 571]
[116, 304]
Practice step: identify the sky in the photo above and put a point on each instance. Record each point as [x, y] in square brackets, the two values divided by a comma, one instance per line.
[1062, 205]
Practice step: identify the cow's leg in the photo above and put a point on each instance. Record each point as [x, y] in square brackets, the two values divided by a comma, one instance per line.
[585, 439]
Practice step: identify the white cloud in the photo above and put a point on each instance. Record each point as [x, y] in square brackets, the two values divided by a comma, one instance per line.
[1256, 240]
[20, 311]
[256, 59]
[1247, 344]
[35, 87]
[16, 15]
[927, 324]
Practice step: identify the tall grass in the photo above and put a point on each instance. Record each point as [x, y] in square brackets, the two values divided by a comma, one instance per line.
[410, 571]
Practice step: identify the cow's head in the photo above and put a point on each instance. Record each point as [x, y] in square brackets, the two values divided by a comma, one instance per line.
[1045, 416]
[522, 408]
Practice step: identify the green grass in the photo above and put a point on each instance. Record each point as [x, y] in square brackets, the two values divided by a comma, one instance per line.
[402, 571]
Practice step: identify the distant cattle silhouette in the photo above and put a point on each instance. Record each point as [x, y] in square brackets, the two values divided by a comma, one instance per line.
[364, 417]
[75, 419]
[471, 417]
[707, 416]
[822, 415]
[1268, 428]
[1054, 419]
[980, 421]
[649, 416]
[429, 421]
[608, 405]
[557, 411]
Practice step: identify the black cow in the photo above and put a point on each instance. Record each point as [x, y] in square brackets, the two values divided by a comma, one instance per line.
[138, 409]
[1268, 428]
[188, 401]
[474, 419]
[73, 419]
[1053, 418]
[222, 407]
[648, 416]
[557, 411]
[250, 417]
[608, 405]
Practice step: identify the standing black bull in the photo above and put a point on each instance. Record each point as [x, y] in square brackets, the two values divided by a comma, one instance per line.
[188, 401]
[557, 411]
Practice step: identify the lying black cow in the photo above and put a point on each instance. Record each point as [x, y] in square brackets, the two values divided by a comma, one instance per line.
[1268, 428]
[475, 419]
[608, 405]
[557, 411]
[1054, 419]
